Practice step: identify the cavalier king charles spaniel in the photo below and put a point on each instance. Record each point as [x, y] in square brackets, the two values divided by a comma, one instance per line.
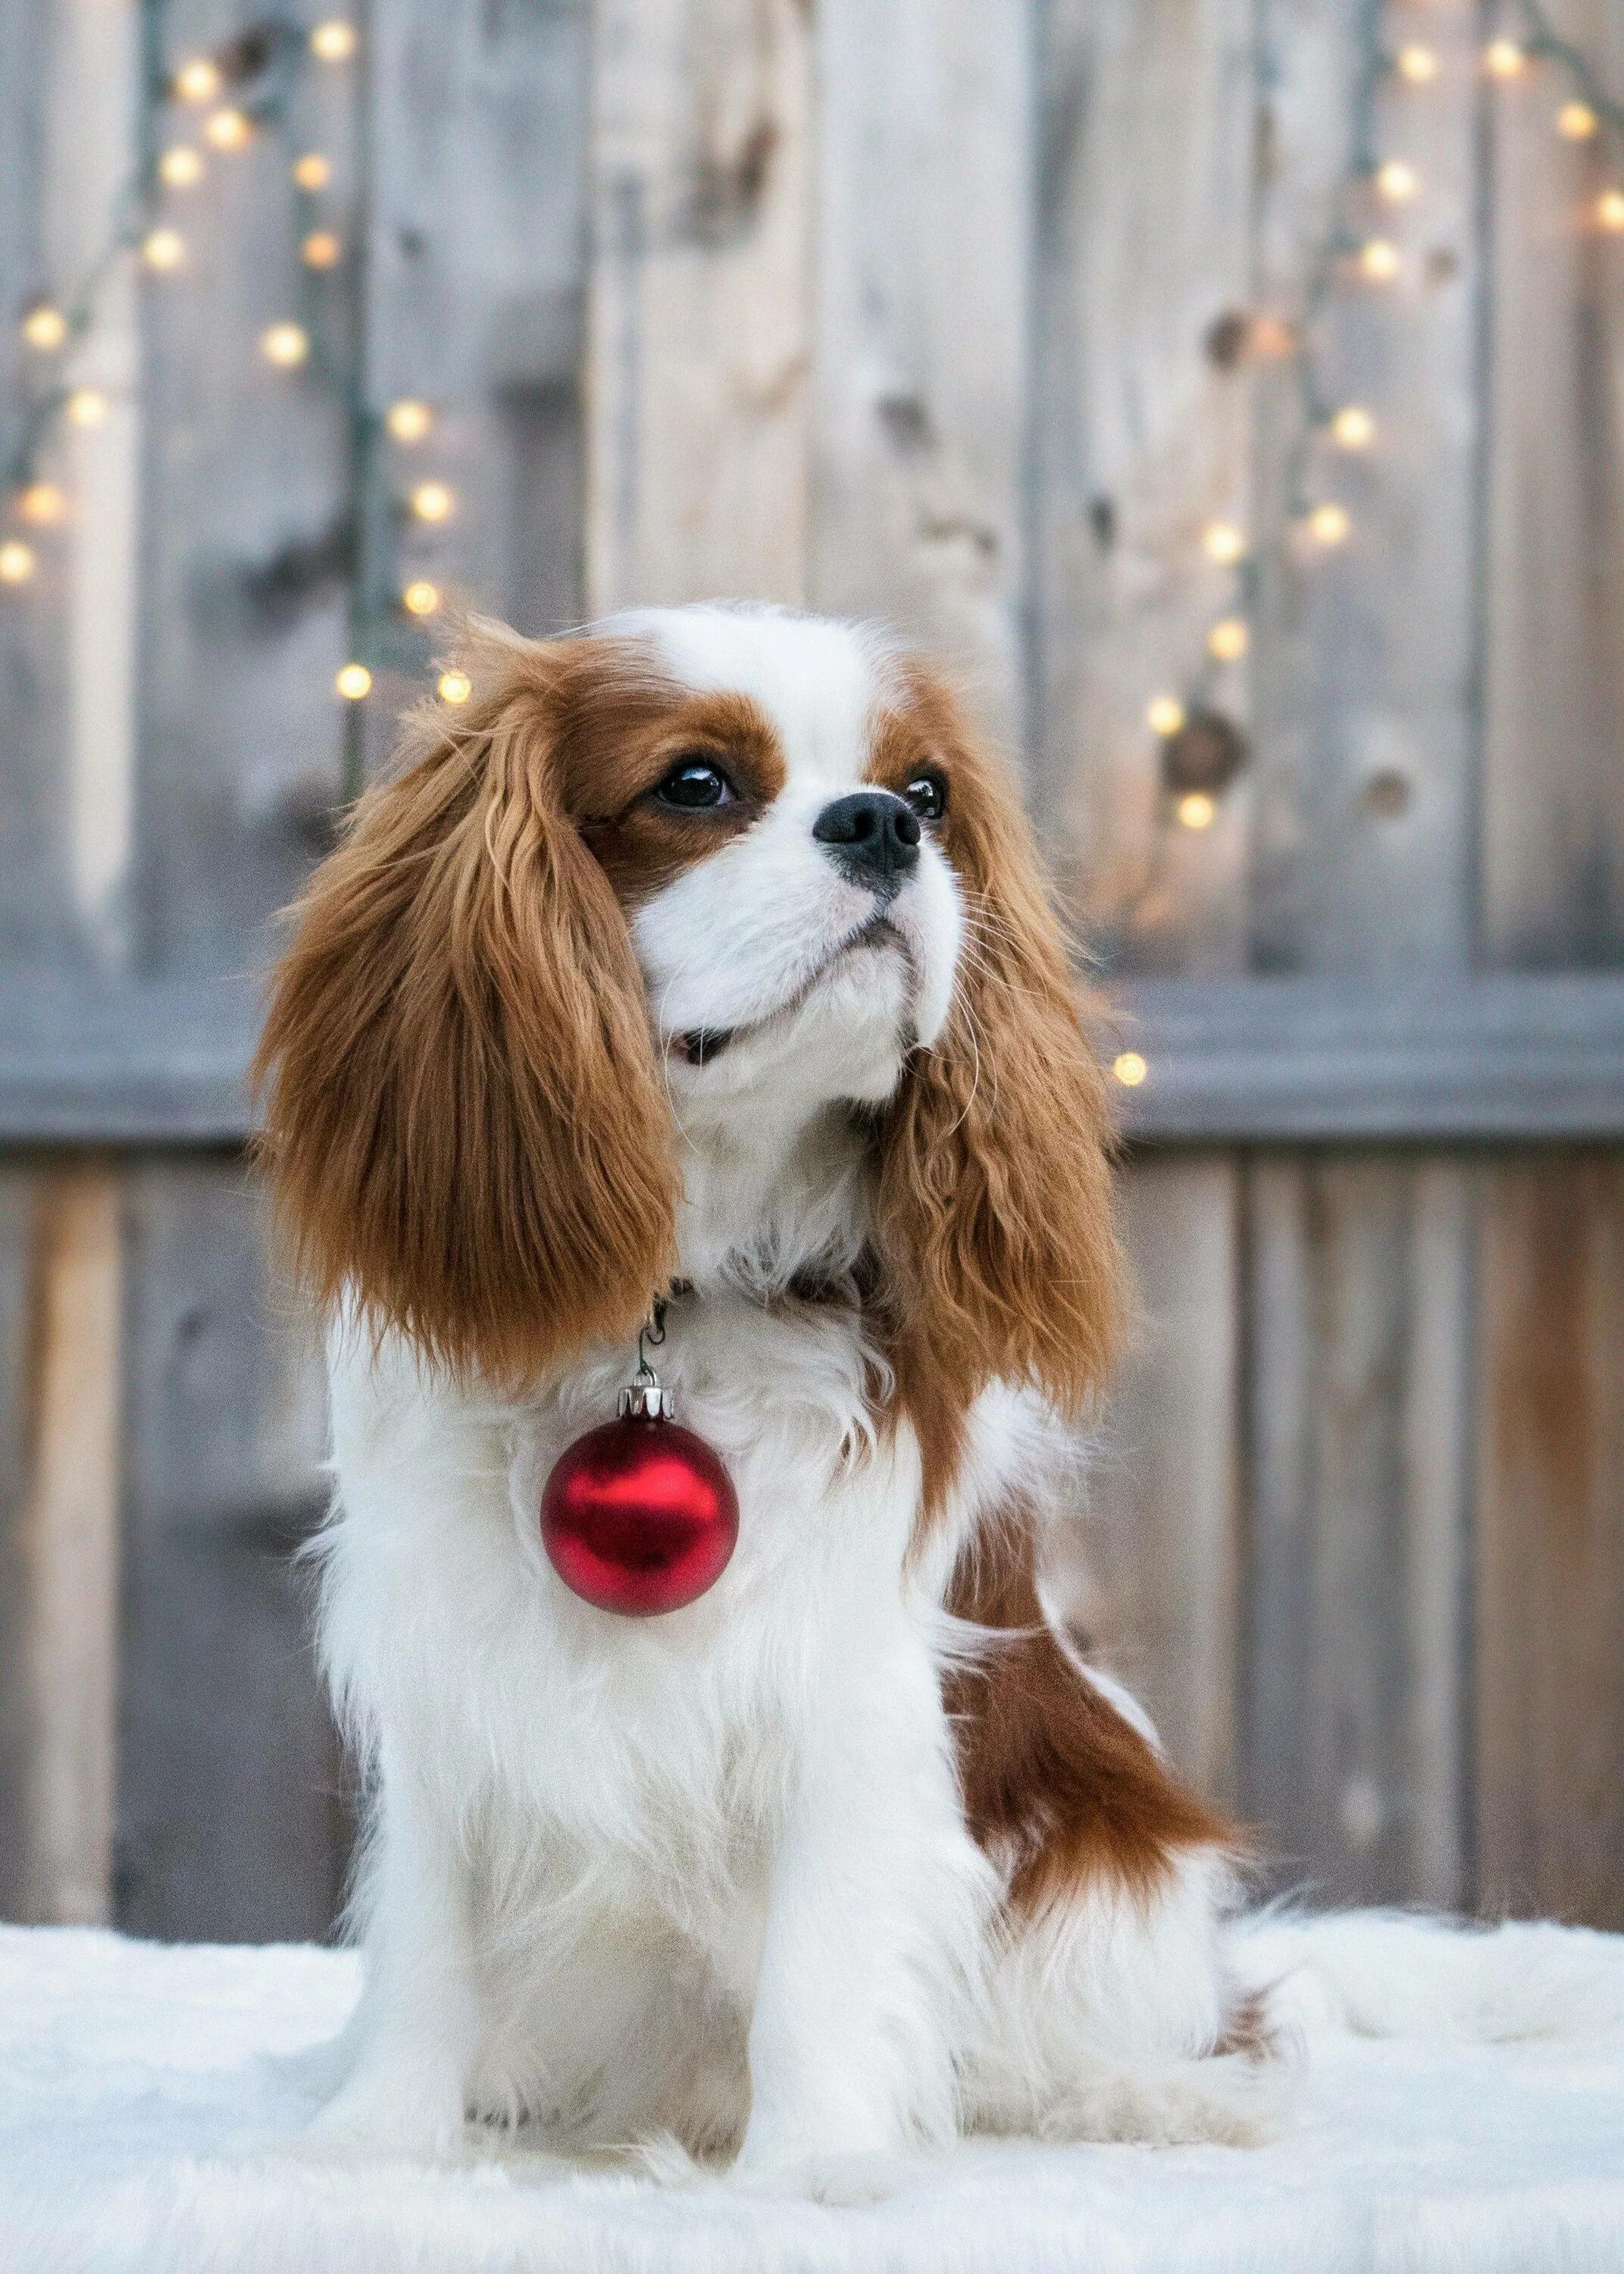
[706, 956]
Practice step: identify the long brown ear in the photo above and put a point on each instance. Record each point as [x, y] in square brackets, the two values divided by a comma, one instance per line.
[993, 1219]
[465, 1125]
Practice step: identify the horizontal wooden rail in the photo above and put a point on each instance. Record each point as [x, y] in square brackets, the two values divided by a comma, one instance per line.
[1244, 1061]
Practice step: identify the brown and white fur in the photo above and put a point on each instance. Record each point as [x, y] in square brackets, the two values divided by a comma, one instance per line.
[853, 1852]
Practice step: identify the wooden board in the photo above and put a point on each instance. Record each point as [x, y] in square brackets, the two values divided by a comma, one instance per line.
[1550, 1587]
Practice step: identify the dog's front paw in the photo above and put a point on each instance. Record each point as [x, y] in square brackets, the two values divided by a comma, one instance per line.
[802, 2166]
[388, 2118]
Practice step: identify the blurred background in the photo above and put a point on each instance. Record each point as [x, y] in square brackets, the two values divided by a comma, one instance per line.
[1234, 391]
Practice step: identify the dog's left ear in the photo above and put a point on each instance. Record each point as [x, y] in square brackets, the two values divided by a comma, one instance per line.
[993, 1220]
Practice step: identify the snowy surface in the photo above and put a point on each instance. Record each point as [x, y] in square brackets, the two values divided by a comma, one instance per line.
[146, 2123]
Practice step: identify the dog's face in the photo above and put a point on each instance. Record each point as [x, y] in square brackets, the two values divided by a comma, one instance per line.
[705, 861]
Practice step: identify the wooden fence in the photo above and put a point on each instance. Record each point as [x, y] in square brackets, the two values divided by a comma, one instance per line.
[977, 318]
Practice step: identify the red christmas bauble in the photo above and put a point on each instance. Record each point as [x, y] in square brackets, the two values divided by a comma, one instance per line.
[639, 1516]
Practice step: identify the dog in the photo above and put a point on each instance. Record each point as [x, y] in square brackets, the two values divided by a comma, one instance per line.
[705, 957]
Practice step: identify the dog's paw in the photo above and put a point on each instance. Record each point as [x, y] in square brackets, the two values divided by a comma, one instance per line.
[1226, 2099]
[843, 2176]
[373, 2121]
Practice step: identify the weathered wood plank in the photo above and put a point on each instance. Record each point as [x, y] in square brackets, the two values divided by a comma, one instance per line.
[230, 1819]
[1364, 679]
[922, 264]
[1142, 406]
[701, 353]
[1550, 1586]
[1151, 1581]
[1553, 665]
[1356, 1324]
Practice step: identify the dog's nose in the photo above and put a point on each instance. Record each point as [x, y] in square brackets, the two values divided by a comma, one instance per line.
[872, 836]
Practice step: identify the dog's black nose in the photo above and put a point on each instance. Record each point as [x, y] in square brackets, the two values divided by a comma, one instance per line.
[872, 836]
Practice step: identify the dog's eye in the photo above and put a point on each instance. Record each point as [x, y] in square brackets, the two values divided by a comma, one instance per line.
[693, 783]
[927, 794]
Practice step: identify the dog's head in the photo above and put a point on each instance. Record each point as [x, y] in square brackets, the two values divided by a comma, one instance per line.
[709, 869]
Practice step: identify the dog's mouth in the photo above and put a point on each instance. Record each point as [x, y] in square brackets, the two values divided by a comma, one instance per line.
[701, 1046]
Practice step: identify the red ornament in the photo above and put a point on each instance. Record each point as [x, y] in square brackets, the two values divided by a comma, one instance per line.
[639, 1516]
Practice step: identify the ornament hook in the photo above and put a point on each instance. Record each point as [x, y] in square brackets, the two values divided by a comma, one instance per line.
[645, 1398]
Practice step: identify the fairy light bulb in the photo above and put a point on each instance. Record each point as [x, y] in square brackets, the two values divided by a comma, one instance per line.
[321, 249]
[181, 167]
[312, 171]
[1196, 810]
[198, 81]
[87, 406]
[420, 597]
[1610, 209]
[164, 249]
[285, 344]
[1379, 259]
[1164, 714]
[1418, 65]
[1504, 59]
[353, 681]
[228, 129]
[1397, 181]
[1577, 122]
[408, 420]
[1272, 338]
[333, 42]
[455, 687]
[1129, 1068]
[45, 328]
[41, 503]
[1224, 542]
[1353, 429]
[432, 501]
[16, 562]
[1329, 525]
[1228, 639]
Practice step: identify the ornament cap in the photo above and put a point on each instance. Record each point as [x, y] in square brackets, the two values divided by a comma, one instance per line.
[646, 1400]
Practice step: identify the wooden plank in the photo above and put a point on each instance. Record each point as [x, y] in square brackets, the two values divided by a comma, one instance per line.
[1150, 1580]
[922, 266]
[63, 1379]
[1356, 1319]
[16, 1211]
[1142, 410]
[232, 1824]
[1364, 684]
[700, 355]
[1550, 1588]
[1553, 673]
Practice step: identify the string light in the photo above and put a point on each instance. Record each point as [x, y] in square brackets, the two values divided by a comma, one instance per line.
[181, 166]
[432, 501]
[1329, 524]
[420, 597]
[1610, 209]
[16, 562]
[285, 344]
[228, 129]
[198, 81]
[335, 42]
[1228, 639]
[321, 249]
[455, 687]
[353, 681]
[1129, 1068]
[312, 171]
[45, 328]
[407, 421]
[1224, 542]
[1504, 59]
[1379, 259]
[1164, 715]
[164, 249]
[87, 406]
[1397, 181]
[1271, 338]
[1197, 810]
[1577, 122]
[1353, 428]
[41, 503]
[1419, 65]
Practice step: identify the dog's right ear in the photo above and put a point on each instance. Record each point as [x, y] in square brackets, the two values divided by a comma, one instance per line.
[465, 1125]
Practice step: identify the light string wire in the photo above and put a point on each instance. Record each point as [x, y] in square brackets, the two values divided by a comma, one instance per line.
[253, 84]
